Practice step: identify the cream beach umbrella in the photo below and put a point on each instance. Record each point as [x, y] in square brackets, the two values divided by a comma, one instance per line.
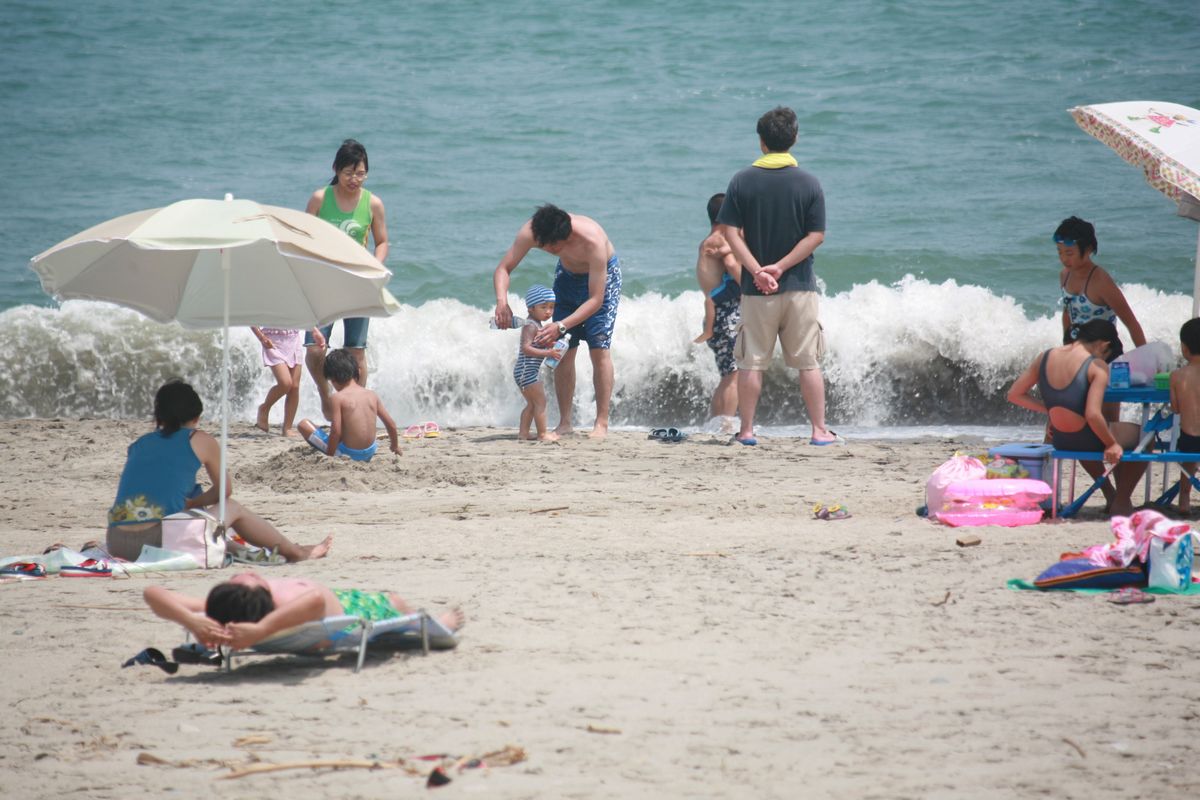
[214, 263]
[1164, 140]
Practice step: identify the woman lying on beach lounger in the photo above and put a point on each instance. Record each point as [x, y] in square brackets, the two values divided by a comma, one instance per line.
[159, 479]
[1071, 380]
[249, 608]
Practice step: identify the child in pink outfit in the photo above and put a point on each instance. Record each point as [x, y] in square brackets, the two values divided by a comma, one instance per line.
[283, 352]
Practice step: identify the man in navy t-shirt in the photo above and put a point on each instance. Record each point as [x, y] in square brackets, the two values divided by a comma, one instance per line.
[774, 218]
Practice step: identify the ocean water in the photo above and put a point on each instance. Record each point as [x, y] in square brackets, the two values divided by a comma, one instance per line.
[938, 129]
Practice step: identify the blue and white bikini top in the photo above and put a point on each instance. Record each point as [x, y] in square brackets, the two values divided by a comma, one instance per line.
[1080, 309]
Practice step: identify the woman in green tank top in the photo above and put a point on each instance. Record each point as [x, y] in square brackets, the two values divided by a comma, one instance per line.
[355, 211]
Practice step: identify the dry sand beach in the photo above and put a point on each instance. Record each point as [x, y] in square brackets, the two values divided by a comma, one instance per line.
[644, 620]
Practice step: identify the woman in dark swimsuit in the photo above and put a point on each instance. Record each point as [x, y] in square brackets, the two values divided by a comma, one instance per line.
[1071, 380]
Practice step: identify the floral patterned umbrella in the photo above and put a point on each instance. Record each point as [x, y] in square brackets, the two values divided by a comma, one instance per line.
[1164, 140]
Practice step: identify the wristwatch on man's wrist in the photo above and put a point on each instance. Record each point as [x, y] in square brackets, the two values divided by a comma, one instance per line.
[562, 329]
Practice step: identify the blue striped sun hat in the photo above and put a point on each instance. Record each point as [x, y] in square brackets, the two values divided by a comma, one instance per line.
[537, 295]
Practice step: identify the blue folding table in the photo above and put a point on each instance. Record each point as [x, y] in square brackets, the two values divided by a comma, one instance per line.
[1146, 396]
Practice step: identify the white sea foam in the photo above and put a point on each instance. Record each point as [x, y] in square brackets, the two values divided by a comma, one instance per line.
[937, 356]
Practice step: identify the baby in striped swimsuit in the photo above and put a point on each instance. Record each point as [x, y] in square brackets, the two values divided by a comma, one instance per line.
[527, 371]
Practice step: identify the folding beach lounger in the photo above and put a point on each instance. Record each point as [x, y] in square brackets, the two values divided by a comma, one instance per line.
[350, 634]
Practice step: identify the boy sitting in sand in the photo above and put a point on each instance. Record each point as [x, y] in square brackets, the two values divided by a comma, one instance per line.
[352, 414]
[1185, 401]
[249, 608]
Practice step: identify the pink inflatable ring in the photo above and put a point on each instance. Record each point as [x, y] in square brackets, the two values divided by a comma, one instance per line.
[998, 501]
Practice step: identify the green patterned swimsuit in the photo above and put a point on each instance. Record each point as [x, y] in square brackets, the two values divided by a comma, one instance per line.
[374, 606]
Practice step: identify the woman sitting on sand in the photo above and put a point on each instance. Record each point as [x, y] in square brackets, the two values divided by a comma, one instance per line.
[1071, 380]
[249, 608]
[159, 479]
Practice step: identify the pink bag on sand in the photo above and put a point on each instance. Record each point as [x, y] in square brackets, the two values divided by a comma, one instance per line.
[958, 468]
[198, 534]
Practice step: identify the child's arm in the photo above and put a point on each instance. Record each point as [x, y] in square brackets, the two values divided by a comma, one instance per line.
[1176, 379]
[710, 315]
[264, 340]
[1093, 412]
[1018, 393]
[527, 347]
[386, 419]
[732, 267]
[335, 425]
[1112, 296]
[308, 607]
[187, 611]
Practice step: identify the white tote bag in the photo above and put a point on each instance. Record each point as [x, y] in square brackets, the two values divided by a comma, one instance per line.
[1171, 564]
[198, 534]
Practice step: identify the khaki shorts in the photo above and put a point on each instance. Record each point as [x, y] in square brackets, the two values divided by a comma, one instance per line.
[790, 317]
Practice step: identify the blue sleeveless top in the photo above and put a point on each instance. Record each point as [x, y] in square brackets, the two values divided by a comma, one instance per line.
[159, 475]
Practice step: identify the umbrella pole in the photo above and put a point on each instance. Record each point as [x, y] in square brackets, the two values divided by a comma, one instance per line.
[1196, 279]
[224, 383]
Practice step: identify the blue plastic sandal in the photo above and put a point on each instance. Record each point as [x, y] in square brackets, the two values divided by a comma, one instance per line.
[835, 440]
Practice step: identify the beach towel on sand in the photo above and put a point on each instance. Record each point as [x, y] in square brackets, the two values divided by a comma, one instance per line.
[1017, 584]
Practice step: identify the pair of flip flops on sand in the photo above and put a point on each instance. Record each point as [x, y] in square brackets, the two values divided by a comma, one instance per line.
[32, 571]
[832, 511]
[419, 430]
[1129, 595]
[669, 435]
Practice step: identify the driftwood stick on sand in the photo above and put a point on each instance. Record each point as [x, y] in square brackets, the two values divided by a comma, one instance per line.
[101, 608]
[504, 757]
[335, 763]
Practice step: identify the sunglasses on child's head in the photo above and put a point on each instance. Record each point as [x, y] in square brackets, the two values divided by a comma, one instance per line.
[1059, 239]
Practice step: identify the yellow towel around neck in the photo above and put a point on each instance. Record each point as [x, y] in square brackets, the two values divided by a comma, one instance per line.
[776, 161]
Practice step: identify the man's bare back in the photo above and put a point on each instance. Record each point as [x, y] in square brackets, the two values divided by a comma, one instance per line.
[582, 251]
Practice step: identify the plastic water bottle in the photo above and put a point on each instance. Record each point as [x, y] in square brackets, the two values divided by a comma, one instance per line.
[559, 347]
[517, 323]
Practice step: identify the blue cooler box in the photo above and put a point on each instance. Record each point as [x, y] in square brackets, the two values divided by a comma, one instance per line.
[1034, 458]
